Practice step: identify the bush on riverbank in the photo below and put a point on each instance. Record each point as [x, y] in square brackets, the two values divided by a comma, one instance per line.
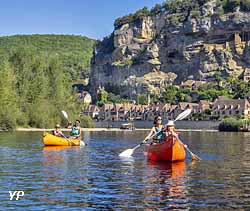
[231, 124]
[87, 122]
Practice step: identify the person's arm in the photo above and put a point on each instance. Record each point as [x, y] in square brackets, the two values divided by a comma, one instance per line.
[148, 136]
[61, 133]
[80, 133]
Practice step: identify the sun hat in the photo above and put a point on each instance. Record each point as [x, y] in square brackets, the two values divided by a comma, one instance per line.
[170, 123]
[57, 126]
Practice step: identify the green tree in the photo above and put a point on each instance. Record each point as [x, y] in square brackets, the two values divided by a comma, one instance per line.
[8, 108]
[142, 99]
[169, 95]
[102, 96]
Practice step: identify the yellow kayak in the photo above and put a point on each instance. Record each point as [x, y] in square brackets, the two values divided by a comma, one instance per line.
[51, 140]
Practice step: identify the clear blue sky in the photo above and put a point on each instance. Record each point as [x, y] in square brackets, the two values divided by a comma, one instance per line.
[92, 18]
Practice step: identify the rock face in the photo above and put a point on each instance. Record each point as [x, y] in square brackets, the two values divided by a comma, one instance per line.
[153, 47]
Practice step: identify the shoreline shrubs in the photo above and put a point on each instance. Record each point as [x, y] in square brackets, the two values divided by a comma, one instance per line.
[231, 124]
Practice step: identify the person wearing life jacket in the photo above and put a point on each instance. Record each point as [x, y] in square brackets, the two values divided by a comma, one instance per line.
[157, 130]
[57, 131]
[76, 131]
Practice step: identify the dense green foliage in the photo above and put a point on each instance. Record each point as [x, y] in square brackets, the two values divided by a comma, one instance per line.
[74, 52]
[102, 96]
[36, 79]
[142, 99]
[232, 124]
[87, 122]
[109, 97]
[230, 87]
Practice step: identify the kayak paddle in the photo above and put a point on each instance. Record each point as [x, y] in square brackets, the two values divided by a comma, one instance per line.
[67, 117]
[129, 152]
[193, 156]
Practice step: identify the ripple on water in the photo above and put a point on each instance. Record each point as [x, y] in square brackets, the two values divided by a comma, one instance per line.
[96, 178]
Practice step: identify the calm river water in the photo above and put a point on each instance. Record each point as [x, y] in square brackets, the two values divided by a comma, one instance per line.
[95, 178]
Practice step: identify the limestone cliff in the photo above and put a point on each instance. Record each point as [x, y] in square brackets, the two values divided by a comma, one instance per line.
[166, 46]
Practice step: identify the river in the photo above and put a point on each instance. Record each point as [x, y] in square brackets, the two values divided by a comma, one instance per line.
[94, 177]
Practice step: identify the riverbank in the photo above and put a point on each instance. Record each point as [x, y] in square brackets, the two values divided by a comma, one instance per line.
[106, 129]
[182, 124]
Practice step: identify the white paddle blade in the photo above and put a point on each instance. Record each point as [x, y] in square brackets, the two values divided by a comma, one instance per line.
[127, 153]
[65, 114]
[82, 144]
[184, 114]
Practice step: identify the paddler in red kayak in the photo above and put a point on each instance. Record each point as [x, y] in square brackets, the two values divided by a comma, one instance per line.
[170, 129]
[158, 130]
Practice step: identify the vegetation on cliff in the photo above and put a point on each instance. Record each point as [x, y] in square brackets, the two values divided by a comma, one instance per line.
[180, 9]
[36, 74]
[230, 87]
[132, 17]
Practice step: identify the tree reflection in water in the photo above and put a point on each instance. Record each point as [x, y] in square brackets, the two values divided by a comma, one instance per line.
[166, 187]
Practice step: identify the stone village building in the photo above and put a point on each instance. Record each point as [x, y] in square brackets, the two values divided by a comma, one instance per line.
[220, 108]
[223, 107]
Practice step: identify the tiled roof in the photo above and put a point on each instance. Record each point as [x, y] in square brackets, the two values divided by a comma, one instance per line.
[91, 108]
[232, 104]
[106, 106]
[185, 105]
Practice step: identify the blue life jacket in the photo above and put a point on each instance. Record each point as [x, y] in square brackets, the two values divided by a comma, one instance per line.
[159, 135]
[75, 131]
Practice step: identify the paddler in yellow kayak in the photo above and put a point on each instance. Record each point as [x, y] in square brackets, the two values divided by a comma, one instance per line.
[76, 131]
[57, 131]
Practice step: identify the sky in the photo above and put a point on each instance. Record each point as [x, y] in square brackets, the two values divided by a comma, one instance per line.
[91, 18]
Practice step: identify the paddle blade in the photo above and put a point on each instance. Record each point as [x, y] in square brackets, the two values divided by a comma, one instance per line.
[65, 114]
[127, 153]
[82, 144]
[183, 115]
[195, 157]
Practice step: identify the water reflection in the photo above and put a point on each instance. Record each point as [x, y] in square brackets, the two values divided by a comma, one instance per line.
[95, 178]
[166, 186]
[56, 163]
[171, 170]
[55, 155]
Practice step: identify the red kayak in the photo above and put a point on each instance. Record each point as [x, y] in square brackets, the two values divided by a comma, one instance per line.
[169, 150]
